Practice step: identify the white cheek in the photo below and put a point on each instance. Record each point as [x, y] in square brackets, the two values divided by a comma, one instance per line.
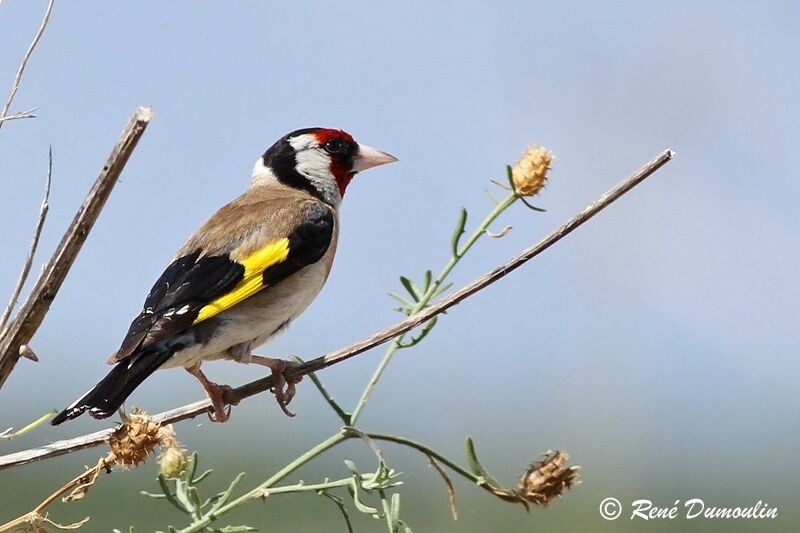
[262, 174]
[313, 162]
[315, 165]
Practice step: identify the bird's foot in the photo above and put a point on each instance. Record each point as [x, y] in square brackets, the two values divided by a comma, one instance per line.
[215, 394]
[221, 412]
[284, 389]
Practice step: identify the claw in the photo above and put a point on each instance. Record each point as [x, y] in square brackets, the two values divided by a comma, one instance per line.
[283, 389]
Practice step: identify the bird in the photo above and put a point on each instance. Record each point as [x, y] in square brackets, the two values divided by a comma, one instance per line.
[244, 275]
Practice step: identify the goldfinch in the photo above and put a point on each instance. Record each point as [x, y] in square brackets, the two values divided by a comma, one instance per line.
[242, 277]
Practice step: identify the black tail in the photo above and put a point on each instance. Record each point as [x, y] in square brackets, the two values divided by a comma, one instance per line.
[107, 396]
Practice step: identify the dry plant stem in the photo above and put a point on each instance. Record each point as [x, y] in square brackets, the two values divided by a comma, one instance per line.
[22, 328]
[37, 232]
[19, 115]
[200, 407]
[24, 63]
[38, 512]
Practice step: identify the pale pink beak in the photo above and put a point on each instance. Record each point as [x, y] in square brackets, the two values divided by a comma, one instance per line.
[369, 157]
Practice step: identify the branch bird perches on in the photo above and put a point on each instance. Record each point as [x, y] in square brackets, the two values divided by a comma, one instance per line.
[255, 387]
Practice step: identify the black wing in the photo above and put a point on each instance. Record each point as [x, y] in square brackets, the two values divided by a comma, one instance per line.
[193, 281]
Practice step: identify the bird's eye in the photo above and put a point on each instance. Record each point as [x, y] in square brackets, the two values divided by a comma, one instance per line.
[336, 146]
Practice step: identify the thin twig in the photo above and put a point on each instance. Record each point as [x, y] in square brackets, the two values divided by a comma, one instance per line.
[10, 433]
[22, 328]
[343, 415]
[37, 232]
[200, 407]
[451, 492]
[20, 115]
[24, 63]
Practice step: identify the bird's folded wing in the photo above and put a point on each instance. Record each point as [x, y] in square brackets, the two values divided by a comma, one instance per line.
[197, 286]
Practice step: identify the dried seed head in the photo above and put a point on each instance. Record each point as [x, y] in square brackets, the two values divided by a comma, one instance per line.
[530, 173]
[547, 479]
[172, 463]
[135, 439]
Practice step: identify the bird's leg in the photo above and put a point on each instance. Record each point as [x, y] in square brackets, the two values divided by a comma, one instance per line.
[214, 392]
[284, 389]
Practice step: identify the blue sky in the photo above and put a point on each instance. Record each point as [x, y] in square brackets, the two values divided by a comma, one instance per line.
[657, 344]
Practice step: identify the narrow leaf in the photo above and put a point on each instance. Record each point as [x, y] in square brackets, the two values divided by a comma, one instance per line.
[201, 477]
[361, 506]
[422, 334]
[192, 468]
[351, 466]
[531, 207]
[410, 287]
[182, 495]
[194, 497]
[394, 513]
[400, 299]
[227, 494]
[476, 466]
[442, 288]
[458, 232]
[169, 496]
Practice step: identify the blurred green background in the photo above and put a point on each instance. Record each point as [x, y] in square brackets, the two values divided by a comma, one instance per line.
[658, 345]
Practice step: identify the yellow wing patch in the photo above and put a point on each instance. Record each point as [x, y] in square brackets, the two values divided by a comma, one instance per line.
[252, 282]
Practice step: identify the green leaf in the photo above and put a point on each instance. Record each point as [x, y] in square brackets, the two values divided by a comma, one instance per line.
[192, 468]
[510, 176]
[201, 477]
[428, 278]
[194, 497]
[410, 287]
[422, 334]
[475, 465]
[458, 232]
[171, 498]
[182, 495]
[441, 289]
[429, 325]
[351, 466]
[400, 299]
[152, 495]
[361, 506]
[531, 207]
[394, 513]
[227, 494]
